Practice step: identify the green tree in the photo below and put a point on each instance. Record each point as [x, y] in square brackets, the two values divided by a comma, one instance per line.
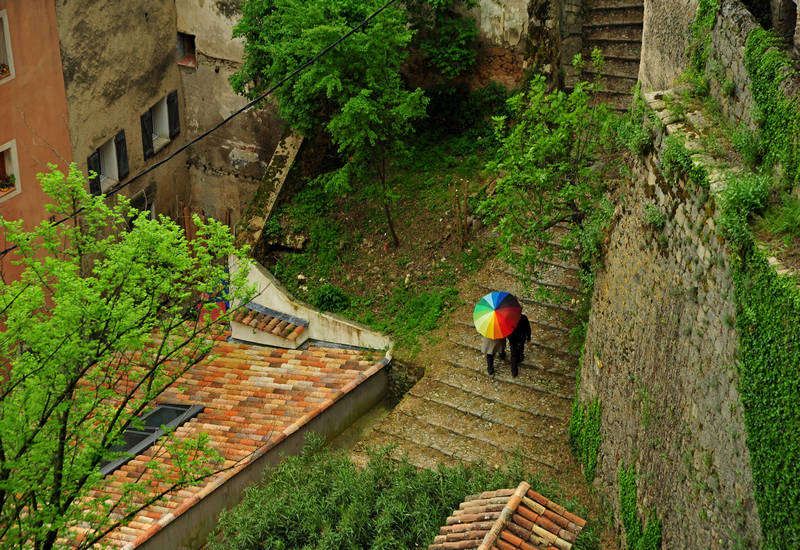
[557, 153]
[104, 318]
[446, 37]
[355, 92]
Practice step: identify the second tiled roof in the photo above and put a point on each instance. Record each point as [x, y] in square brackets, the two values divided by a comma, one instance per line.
[268, 320]
[508, 519]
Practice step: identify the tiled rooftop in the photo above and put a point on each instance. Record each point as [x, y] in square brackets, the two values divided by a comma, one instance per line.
[270, 321]
[254, 397]
[509, 519]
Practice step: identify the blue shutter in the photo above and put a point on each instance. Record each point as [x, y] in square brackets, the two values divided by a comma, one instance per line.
[93, 163]
[173, 114]
[147, 134]
[122, 155]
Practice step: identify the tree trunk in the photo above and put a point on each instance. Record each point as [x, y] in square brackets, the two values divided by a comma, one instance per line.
[395, 240]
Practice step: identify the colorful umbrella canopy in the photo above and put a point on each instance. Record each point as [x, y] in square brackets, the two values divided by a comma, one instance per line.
[496, 314]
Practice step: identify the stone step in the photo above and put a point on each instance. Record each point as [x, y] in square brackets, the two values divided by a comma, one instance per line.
[614, 82]
[418, 455]
[622, 49]
[568, 308]
[614, 15]
[621, 66]
[617, 100]
[622, 31]
[535, 358]
[533, 447]
[612, 4]
[548, 279]
[450, 442]
[549, 403]
[554, 341]
[529, 379]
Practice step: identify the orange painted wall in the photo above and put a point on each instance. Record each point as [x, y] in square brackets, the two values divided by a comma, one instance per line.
[33, 108]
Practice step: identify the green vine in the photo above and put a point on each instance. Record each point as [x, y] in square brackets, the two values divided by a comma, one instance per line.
[650, 538]
[676, 160]
[768, 66]
[584, 431]
[768, 309]
[700, 45]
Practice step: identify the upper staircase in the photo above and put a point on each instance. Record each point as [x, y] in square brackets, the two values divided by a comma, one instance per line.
[615, 28]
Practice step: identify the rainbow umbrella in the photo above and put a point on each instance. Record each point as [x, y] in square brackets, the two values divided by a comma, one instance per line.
[496, 314]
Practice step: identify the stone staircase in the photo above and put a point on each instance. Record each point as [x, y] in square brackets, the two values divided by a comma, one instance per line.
[615, 28]
[457, 413]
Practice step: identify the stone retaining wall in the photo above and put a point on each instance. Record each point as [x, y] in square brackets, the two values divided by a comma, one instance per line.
[661, 353]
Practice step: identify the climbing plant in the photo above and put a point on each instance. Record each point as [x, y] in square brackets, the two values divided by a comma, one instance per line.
[768, 309]
[635, 537]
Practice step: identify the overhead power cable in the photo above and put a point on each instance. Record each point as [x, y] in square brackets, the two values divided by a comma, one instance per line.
[234, 114]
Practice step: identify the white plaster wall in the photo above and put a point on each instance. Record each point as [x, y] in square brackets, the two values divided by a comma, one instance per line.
[321, 326]
[502, 22]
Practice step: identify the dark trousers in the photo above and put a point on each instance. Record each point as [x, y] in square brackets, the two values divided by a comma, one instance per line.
[517, 355]
[490, 363]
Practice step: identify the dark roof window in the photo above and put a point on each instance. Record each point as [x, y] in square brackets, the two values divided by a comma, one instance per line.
[138, 439]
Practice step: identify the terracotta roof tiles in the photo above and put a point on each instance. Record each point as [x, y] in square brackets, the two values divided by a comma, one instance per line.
[509, 519]
[254, 397]
[273, 322]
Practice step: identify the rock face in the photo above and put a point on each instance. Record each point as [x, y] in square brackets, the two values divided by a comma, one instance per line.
[661, 355]
[664, 41]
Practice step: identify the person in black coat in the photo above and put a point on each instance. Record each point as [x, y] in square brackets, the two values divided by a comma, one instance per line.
[516, 341]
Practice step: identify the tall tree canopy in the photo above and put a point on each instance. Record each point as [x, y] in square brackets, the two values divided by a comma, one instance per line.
[102, 320]
[355, 92]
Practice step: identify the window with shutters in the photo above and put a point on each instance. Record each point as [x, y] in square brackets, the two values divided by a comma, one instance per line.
[6, 59]
[9, 170]
[110, 164]
[146, 430]
[160, 124]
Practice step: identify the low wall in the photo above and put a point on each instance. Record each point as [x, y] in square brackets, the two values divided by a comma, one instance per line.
[661, 355]
[321, 326]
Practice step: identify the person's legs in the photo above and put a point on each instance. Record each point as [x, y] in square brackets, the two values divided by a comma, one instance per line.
[490, 363]
[516, 358]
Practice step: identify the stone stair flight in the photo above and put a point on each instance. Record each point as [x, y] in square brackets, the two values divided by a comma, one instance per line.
[615, 28]
[458, 413]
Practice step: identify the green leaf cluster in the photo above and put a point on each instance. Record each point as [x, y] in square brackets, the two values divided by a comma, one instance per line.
[446, 37]
[105, 316]
[320, 499]
[556, 154]
[699, 46]
[636, 539]
[585, 435]
[676, 161]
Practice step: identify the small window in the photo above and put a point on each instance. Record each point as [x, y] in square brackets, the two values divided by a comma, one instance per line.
[110, 163]
[6, 59]
[147, 431]
[187, 55]
[160, 124]
[9, 170]
[142, 201]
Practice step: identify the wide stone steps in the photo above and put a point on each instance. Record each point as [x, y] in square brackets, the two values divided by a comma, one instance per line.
[417, 454]
[556, 342]
[613, 82]
[614, 31]
[615, 15]
[530, 379]
[453, 440]
[621, 66]
[615, 48]
[612, 4]
[535, 358]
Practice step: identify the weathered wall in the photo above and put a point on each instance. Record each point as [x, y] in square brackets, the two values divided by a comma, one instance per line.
[664, 41]
[660, 354]
[226, 167]
[33, 111]
[119, 59]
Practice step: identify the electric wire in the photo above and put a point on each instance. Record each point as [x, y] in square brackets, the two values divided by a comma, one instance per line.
[231, 116]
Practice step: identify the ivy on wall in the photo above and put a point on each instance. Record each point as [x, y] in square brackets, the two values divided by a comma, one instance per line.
[635, 537]
[584, 431]
[700, 44]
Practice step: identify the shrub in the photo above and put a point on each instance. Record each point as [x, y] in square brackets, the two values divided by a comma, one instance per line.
[653, 216]
[331, 298]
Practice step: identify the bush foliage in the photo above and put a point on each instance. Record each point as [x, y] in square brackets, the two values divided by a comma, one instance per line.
[320, 499]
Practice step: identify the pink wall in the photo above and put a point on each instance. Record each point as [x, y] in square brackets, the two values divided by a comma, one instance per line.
[33, 108]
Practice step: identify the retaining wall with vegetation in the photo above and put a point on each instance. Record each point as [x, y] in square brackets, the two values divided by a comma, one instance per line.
[660, 359]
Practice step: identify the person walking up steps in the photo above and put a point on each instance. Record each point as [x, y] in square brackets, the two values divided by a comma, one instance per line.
[490, 347]
[516, 341]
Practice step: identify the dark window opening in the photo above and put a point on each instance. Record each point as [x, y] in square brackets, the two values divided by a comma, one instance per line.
[136, 440]
[187, 55]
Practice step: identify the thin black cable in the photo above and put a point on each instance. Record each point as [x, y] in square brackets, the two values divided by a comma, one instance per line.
[236, 113]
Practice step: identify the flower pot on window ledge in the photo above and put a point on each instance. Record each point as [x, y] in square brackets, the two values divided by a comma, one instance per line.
[7, 183]
[4, 71]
